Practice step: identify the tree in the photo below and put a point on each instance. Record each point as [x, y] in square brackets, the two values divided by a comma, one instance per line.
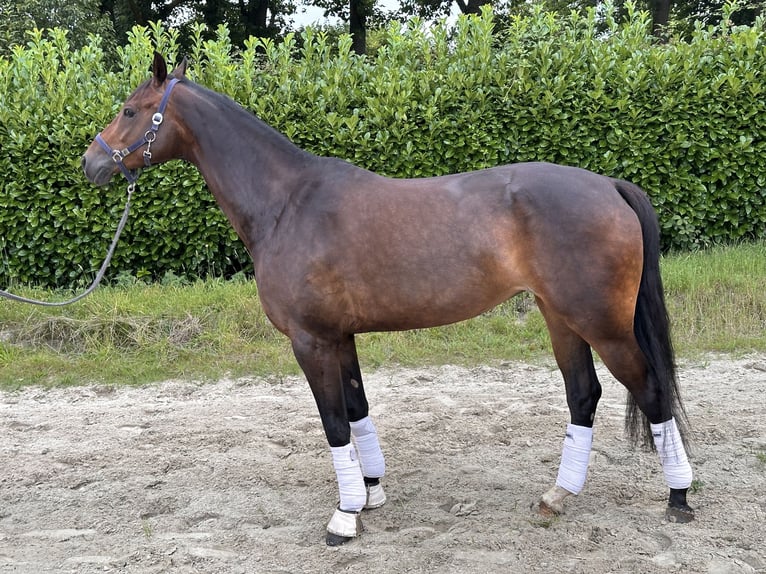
[710, 12]
[357, 24]
[79, 17]
[660, 11]
[358, 13]
[244, 18]
[430, 9]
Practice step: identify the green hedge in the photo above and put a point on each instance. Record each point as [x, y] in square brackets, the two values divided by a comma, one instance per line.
[685, 120]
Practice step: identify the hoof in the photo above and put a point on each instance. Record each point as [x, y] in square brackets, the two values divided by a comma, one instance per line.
[549, 511]
[552, 502]
[343, 526]
[376, 497]
[682, 514]
[336, 540]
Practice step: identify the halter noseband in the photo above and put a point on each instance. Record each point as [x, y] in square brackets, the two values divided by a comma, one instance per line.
[151, 134]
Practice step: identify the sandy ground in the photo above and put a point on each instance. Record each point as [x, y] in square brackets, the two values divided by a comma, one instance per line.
[235, 477]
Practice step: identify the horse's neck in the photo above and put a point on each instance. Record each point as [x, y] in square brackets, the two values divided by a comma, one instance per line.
[250, 168]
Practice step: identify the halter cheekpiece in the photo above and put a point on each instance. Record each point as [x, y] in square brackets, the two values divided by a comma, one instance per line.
[149, 136]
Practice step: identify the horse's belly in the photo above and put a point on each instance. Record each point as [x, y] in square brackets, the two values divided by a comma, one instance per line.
[421, 306]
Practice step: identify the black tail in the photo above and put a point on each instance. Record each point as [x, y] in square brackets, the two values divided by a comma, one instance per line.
[651, 324]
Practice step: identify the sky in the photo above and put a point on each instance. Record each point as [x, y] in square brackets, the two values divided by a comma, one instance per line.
[314, 15]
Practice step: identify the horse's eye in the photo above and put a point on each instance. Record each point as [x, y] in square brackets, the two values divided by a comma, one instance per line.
[128, 113]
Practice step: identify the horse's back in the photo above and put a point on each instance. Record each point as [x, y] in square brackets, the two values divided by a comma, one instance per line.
[549, 222]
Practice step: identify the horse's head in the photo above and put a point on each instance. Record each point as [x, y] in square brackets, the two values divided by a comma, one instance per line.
[144, 132]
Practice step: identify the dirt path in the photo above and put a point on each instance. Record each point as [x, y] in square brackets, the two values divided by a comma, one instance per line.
[235, 477]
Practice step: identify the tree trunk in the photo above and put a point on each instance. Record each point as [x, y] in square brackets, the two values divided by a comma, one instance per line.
[357, 26]
[471, 6]
[255, 17]
[660, 17]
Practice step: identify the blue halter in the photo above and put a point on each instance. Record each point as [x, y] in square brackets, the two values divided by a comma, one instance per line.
[151, 134]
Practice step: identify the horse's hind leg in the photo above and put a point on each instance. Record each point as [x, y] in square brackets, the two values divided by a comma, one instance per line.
[575, 360]
[363, 431]
[626, 362]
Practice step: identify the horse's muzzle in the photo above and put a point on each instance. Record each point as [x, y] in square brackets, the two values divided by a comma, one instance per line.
[99, 170]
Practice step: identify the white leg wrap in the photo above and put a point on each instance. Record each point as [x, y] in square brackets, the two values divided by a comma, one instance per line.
[365, 437]
[353, 495]
[574, 458]
[670, 447]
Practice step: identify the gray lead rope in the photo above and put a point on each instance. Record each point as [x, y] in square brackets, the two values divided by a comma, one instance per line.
[99, 275]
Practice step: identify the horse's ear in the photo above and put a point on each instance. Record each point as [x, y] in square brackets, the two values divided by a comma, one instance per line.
[159, 69]
[180, 71]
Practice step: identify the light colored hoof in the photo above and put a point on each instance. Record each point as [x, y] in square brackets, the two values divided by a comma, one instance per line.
[343, 526]
[376, 497]
[552, 502]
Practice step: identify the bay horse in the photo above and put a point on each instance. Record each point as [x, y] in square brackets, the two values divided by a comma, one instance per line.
[338, 250]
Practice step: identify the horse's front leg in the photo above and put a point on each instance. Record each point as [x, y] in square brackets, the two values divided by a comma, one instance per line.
[320, 362]
[363, 431]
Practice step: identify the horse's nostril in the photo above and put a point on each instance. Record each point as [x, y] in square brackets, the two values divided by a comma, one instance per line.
[82, 162]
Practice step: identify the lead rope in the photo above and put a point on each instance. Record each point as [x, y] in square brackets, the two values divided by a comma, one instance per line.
[99, 275]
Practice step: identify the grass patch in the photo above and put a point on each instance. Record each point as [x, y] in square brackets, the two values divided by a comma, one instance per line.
[140, 333]
[135, 333]
[717, 300]
[696, 486]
